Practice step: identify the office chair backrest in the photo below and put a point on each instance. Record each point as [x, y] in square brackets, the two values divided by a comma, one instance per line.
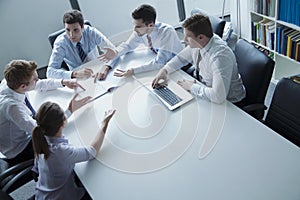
[217, 23]
[284, 113]
[12, 178]
[256, 71]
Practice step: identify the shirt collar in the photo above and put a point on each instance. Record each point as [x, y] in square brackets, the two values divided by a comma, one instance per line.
[81, 41]
[154, 32]
[207, 46]
[56, 140]
[17, 96]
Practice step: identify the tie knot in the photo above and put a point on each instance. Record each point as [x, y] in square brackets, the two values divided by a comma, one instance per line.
[78, 44]
[150, 44]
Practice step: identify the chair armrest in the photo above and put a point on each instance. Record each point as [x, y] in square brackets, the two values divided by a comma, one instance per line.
[254, 107]
[20, 177]
[16, 169]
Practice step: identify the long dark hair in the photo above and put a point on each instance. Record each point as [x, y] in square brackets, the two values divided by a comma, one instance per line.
[49, 119]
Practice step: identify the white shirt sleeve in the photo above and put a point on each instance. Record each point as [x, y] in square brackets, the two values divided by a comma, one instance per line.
[48, 84]
[181, 59]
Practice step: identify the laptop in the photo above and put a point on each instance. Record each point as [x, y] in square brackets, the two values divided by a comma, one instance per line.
[172, 96]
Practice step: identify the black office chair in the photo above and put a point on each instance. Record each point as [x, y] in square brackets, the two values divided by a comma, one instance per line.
[218, 28]
[284, 113]
[256, 70]
[12, 178]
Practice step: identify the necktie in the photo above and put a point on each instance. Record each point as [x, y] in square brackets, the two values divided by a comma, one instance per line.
[150, 44]
[30, 107]
[81, 53]
[197, 66]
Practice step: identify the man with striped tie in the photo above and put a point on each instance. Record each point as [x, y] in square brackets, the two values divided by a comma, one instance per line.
[17, 114]
[158, 37]
[76, 46]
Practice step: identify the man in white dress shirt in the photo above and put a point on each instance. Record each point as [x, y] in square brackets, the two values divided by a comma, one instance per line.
[160, 38]
[16, 115]
[214, 60]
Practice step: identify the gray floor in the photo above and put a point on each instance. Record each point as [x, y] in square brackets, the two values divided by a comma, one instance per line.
[25, 192]
[28, 190]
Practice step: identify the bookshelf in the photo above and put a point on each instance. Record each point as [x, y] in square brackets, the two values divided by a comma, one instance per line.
[274, 27]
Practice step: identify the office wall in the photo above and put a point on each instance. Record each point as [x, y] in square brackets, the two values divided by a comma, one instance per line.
[213, 6]
[26, 24]
[112, 20]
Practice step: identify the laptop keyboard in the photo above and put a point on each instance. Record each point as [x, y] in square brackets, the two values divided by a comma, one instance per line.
[166, 94]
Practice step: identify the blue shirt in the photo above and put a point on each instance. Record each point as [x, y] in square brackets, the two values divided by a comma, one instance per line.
[65, 50]
[56, 179]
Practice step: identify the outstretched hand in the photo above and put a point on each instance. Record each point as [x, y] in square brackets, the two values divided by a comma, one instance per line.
[72, 84]
[76, 104]
[107, 117]
[121, 73]
[101, 75]
[108, 55]
[82, 73]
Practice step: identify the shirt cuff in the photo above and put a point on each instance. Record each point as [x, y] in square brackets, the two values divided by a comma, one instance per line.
[68, 113]
[92, 151]
[57, 83]
[197, 90]
[68, 75]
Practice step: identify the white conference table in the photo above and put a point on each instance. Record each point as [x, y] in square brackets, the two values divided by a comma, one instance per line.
[199, 151]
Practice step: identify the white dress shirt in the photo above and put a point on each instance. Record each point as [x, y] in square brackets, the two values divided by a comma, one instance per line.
[217, 68]
[16, 122]
[164, 40]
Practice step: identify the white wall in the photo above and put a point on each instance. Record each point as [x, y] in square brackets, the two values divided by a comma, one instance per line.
[240, 17]
[214, 7]
[25, 25]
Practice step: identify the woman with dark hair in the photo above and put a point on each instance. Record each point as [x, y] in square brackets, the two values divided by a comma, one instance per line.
[55, 158]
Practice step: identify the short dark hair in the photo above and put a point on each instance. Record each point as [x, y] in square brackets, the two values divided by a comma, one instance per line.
[199, 24]
[145, 12]
[19, 72]
[73, 16]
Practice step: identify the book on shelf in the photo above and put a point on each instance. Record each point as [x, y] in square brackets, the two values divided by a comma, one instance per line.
[265, 7]
[297, 53]
[267, 52]
[296, 78]
[289, 11]
[294, 40]
[283, 45]
[270, 34]
[289, 47]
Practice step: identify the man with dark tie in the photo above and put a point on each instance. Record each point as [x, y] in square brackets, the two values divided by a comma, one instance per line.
[77, 45]
[17, 114]
[160, 38]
